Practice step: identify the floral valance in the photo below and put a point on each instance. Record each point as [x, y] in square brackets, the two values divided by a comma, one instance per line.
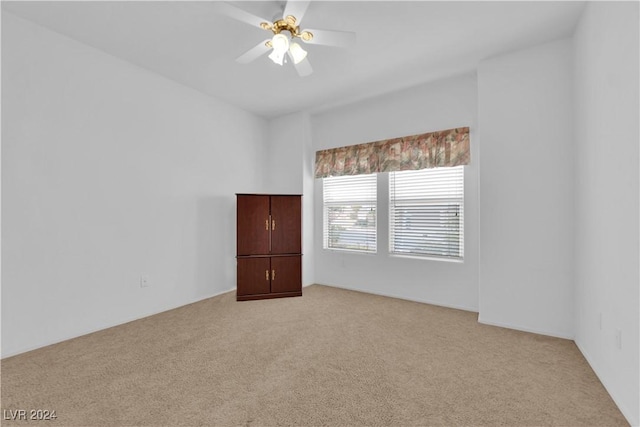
[427, 150]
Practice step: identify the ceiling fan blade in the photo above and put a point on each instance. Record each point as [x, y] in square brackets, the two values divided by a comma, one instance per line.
[303, 67]
[254, 53]
[239, 14]
[331, 38]
[296, 8]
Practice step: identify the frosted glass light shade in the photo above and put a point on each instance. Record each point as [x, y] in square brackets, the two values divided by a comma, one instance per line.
[297, 53]
[277, 57]
[280, 44]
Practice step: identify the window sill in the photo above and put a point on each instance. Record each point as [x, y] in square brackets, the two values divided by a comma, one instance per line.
[349, 251]
[429, 258]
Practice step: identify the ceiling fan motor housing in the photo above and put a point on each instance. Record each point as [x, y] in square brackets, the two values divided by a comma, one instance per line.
[288, 23]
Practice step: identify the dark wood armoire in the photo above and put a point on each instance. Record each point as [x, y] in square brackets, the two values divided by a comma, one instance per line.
[269, 246]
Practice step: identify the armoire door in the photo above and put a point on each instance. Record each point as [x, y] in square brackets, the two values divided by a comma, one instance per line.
[286, 274]
[253, 225]
[254, 276]
[286, 224]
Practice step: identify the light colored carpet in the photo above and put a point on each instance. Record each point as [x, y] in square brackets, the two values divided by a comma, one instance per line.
[330, 357]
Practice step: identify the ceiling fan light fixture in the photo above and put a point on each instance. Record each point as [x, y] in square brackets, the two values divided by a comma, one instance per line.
[297, 53]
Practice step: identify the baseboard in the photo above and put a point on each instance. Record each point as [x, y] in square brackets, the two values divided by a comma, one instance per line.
[625, 411]
[91, 331]
[402, 297]
[525, 329]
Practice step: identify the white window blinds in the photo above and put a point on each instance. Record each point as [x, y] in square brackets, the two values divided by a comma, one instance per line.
[426, 211]
[350, 212]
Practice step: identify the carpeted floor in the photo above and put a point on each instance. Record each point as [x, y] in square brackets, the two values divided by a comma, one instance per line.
[330, 357]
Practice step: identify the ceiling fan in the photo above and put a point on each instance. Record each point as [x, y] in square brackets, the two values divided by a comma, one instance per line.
[286, 29]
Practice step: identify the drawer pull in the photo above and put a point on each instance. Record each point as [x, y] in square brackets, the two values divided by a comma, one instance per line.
[266, 275]
[273, 275]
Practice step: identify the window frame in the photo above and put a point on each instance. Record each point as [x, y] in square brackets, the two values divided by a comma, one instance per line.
[327, 205]
[458, 200]
[383, 218]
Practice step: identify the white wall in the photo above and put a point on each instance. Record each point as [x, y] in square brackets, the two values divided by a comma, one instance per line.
[606, 197]
[290, 171]
[526, 200]
[109, 172]
[435, 106]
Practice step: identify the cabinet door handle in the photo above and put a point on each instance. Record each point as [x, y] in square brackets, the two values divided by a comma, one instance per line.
[266, 224]
[273, 275]
[273, 224]
[266, 275]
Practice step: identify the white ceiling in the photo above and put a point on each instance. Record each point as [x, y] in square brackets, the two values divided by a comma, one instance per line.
[399, 44]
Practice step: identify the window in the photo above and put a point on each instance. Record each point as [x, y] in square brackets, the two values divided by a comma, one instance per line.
[350, 212]
[426, 210]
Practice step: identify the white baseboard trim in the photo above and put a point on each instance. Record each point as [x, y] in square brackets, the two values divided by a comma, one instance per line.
[625, 411]
[402, 297]
[91, 331]
[525, 329]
